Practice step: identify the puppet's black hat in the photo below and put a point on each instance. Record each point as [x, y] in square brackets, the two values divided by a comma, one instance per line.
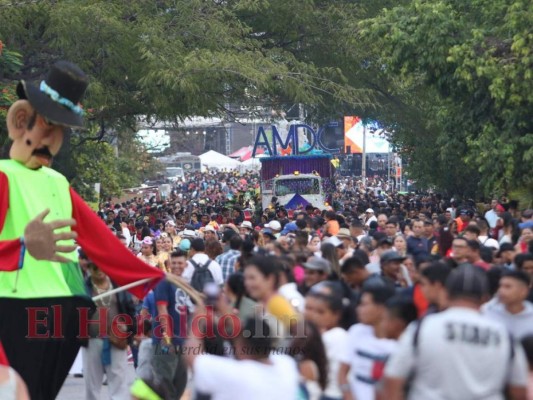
[57, 97]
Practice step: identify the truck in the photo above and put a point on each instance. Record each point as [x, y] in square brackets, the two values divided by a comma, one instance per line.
[296, 181]
[174, 173]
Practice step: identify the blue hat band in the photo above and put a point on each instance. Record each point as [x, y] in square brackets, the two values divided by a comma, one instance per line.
[55, 96]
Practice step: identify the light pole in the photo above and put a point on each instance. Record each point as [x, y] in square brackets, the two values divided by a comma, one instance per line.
[363, 166]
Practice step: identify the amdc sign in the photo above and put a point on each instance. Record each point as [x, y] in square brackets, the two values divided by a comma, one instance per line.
[291, 143]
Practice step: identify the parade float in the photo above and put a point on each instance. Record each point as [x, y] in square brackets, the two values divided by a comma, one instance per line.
[299, 169]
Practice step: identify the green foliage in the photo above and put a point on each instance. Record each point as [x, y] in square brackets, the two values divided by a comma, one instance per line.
[10, 64]
[171, 59]
[450, 79]
[98, 162]
[474, 59]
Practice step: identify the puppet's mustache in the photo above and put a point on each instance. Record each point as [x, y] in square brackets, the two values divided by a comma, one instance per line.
[43, 151]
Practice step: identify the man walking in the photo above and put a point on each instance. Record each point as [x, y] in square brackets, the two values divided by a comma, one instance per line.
[417, 245]
[510, 306]
[458, 353]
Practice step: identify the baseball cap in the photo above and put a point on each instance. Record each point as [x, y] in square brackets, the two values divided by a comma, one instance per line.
[466, 212]
[468, 281]
[318, 264]
[526, 224]
[290, 227]
[246, 224]
[274, 225]
[391, 255]
[369, 210]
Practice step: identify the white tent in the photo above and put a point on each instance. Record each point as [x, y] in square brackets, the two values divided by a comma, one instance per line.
[252, 164]
[212, 159]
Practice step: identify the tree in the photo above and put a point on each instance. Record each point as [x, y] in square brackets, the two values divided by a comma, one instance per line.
[173, 59]
[168, 60]
[10, 64]
[450, 80]
[97, 162]
[475, 59]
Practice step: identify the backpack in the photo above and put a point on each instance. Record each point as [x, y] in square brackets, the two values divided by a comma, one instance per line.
[201, 276]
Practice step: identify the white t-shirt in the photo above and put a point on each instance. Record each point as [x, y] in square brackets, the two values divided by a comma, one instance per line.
[225, 378]
[366, 354]
[488, 242]
[335, 343]
[201, 259]
[492, 218]
[460, 355]
[290, 292]
[372, 218]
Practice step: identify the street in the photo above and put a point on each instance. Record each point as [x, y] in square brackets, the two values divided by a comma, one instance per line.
[74, 388]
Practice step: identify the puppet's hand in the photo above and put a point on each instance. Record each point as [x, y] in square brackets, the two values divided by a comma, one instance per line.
[41, 241]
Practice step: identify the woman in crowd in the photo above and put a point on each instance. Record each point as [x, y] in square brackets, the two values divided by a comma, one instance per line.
[310, 354]
[261, 279]
[163, 246]
[258, 240]
[400, 245]
[406, 231]
[235, 291]
[167, 242]
[507, 230]
[158, 241]
[325, 307]
[329, 252]
[526, 236]
[453, 228]
[314, 243]
[170, 229]
[410, 269]
[147, 252]
[445, 240]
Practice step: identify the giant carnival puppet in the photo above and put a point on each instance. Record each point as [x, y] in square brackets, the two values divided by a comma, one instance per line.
[41, 287]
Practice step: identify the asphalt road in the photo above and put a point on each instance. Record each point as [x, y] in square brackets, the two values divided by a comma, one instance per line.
[74, 388]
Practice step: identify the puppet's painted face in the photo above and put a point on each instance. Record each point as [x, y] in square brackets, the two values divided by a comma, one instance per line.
[35, 140]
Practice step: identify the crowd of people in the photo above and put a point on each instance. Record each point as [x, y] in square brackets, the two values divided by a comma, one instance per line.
[381, 296]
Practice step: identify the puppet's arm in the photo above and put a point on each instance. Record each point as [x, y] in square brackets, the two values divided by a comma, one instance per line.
[107, 252]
